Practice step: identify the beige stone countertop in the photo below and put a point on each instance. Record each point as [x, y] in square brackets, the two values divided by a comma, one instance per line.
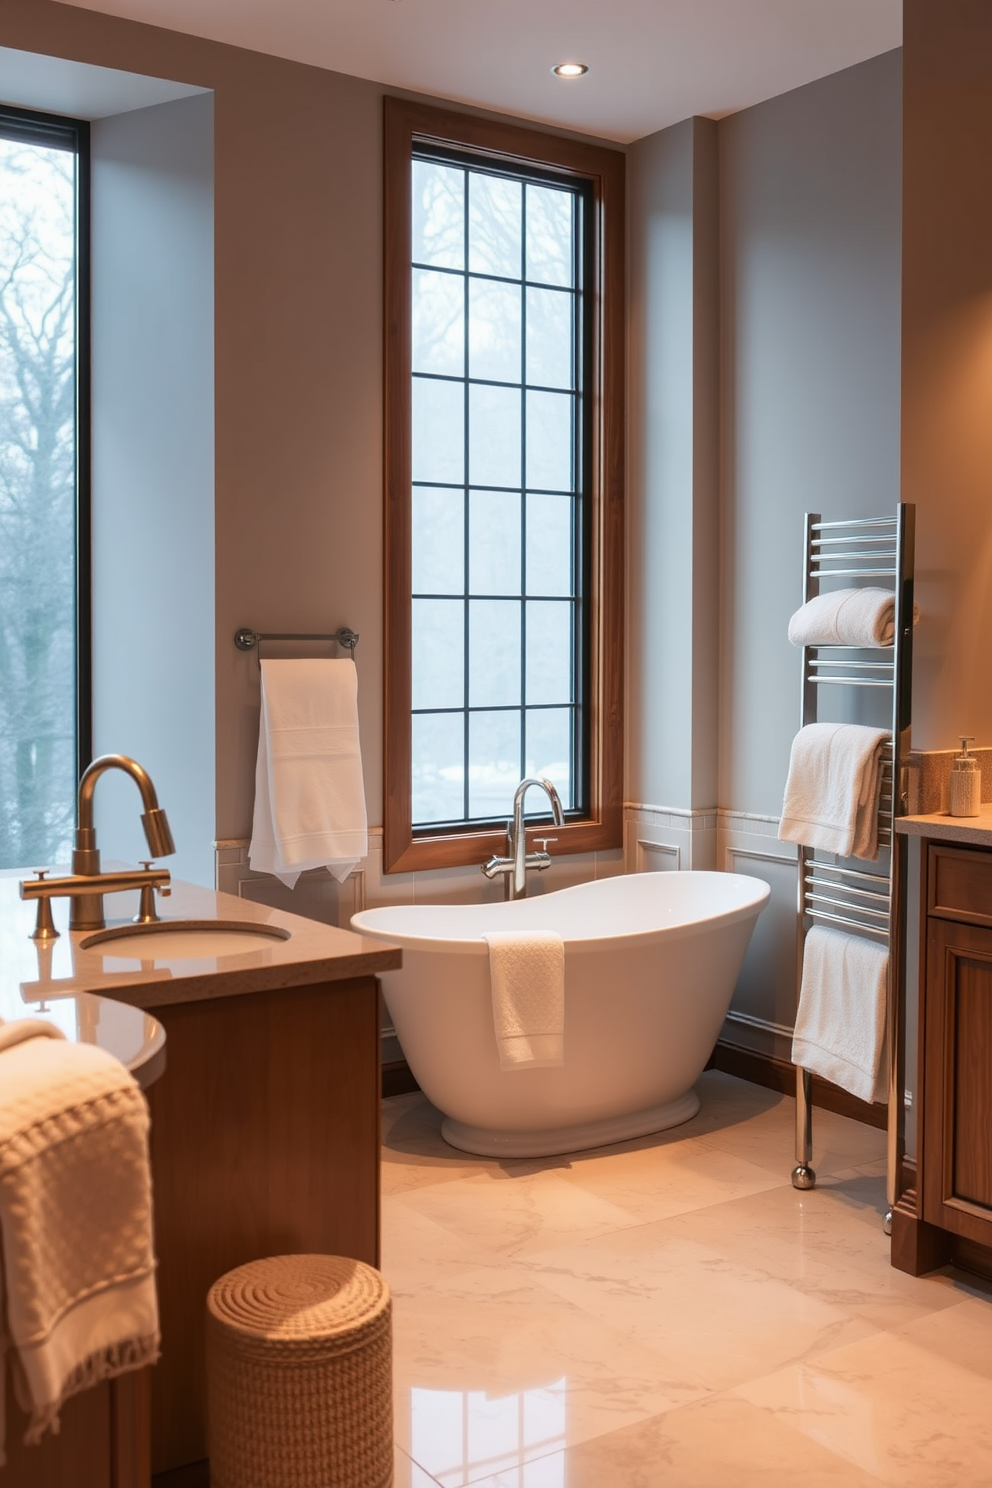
[972, 831]
[146, 977]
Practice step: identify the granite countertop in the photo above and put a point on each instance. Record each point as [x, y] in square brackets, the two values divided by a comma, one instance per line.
[973, 831]
[312, 952]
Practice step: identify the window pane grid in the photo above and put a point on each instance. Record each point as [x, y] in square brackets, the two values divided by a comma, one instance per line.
[497, 620]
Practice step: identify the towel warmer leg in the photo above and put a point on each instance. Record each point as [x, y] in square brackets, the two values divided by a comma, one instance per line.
[802, 1174]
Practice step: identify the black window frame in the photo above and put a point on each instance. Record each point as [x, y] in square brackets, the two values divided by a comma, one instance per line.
[56, 131]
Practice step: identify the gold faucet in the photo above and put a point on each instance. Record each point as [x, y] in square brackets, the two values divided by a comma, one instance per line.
[86, 885]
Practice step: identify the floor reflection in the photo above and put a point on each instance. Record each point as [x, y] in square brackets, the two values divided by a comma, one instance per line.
[460, 1436]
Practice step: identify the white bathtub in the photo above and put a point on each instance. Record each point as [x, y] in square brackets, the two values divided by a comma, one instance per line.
[651, 960]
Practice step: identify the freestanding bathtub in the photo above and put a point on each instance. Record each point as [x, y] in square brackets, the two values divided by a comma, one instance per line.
[651, 960]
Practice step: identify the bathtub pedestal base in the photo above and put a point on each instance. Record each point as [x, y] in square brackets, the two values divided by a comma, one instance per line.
[551, 1141]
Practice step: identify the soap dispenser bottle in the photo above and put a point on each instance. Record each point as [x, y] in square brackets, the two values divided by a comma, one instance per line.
[966, 782]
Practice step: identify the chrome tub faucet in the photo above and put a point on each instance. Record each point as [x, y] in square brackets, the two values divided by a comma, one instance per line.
[514, 866]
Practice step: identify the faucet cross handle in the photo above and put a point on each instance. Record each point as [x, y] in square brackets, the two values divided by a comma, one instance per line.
[44, 929]
[147, 913]
[542, 842]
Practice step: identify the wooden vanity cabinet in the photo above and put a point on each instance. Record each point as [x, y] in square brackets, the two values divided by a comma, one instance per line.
[953, 1199]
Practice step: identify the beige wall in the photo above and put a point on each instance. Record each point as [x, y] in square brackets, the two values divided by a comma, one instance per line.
[947, 360]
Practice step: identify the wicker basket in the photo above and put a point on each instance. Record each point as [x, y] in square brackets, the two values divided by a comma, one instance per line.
[299, 1376]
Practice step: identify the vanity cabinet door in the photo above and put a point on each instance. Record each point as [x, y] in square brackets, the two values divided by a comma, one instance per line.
[957, 1103]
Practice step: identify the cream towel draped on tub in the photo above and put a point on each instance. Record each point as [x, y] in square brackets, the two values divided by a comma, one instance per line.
[309, 790]
[840, 1026]
[831, 795]
[527, 970]
[77, 1286]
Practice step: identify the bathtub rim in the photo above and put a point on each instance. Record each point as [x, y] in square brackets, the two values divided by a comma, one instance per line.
[474, 945]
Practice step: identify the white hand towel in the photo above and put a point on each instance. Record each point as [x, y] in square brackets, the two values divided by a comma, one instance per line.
[527, 969]
[847, 617]
[831, 795]
[840, 1026]
[309, 791]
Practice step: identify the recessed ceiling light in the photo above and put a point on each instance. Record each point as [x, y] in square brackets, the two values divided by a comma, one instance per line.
[570, 69]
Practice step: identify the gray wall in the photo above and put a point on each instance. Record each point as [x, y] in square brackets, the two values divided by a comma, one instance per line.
[810, 207]
[673, 492]
[153, 472]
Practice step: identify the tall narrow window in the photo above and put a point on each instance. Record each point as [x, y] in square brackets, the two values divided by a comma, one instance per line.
[504, 482]
[43, 640]
[498, 468]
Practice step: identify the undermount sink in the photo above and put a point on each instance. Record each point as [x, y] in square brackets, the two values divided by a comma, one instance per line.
[172, 940]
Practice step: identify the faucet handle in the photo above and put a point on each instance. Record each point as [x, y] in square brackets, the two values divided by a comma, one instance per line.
[542, 842]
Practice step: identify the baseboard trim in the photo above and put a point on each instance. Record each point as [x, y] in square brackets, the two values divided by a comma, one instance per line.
[397, 1079]
[779, 1074]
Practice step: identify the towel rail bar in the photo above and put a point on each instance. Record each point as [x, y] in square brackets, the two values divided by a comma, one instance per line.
[842, 888]
[821, 914]
[247, 639]
[853, 573]
[818, 526]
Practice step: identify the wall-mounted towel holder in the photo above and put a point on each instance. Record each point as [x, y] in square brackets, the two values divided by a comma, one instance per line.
[246, 639]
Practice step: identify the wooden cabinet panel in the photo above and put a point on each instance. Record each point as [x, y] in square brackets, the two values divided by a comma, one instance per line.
[264, 1141]
[971, 1075]
[956, 1166]
[960, 884]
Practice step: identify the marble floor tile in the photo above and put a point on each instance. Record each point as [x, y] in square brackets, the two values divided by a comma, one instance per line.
[913, 1406]
[670, 1311]
[510, 1213]
[718, 1443]
[485, 1349]
[828, 1243]
[659, 1180]
[409, 1474]
[713, 1320]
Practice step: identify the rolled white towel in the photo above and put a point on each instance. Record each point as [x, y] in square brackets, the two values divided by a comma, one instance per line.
[847, 617]
[831, 795]
[527, 970]
[840, 1026]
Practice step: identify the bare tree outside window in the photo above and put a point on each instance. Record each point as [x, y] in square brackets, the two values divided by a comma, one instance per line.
[37, 502]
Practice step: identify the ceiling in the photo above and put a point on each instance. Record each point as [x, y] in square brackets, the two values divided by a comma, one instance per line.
[651, 62]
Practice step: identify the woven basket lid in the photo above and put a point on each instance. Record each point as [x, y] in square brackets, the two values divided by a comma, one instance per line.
[299, 1297]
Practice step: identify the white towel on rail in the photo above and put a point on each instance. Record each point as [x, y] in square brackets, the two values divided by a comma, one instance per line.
[840, 1026]
[847, 617]
[831, 795]
[527, 970]
[309, 791]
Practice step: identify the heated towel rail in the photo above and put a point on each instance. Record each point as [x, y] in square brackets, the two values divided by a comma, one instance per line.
[864, 901]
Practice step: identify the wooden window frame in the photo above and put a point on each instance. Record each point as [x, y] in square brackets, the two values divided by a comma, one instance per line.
[601, 828]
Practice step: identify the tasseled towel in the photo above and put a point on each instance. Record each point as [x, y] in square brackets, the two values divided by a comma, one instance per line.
[77, 1289]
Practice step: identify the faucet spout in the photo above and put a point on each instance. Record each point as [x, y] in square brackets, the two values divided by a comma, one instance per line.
[87, 910]
[518, 832]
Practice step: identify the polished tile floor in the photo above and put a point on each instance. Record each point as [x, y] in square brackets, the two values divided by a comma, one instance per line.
[670, 1311]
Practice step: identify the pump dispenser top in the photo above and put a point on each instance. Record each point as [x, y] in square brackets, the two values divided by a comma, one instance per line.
[966, 781]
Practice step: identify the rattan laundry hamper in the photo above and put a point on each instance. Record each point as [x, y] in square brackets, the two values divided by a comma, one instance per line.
[299, 1375]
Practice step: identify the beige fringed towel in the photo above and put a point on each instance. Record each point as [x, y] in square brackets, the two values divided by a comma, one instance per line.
[77, 1286]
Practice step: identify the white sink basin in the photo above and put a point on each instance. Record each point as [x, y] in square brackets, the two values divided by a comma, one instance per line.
[189, 940]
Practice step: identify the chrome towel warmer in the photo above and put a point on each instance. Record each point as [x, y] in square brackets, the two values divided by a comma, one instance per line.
[864, 901]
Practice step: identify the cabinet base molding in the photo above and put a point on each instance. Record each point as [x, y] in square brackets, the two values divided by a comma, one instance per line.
[919, 1247]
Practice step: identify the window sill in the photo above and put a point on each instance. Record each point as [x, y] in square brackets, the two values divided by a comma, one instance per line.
[462, 849]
